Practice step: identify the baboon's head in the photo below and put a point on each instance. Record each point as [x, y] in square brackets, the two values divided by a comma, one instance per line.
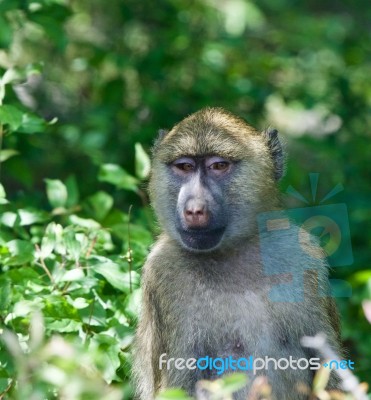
[212, 174]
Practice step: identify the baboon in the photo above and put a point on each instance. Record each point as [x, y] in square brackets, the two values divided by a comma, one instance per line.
[205, 290]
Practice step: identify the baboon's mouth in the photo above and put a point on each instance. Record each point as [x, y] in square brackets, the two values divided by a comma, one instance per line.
[201, 239]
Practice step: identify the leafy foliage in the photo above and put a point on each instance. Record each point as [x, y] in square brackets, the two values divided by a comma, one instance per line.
[84, 279]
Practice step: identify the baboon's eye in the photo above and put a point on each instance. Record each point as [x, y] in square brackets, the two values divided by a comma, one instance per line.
[220, 165]
[186, 167]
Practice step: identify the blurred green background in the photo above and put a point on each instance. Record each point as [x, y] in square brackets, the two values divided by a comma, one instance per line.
[85, 87]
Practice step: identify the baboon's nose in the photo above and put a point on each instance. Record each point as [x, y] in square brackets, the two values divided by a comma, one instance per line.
[196, 214]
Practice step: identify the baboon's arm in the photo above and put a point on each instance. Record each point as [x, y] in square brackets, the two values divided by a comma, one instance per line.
[147, 348]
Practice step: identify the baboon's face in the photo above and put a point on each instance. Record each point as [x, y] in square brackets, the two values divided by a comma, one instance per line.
[211, 175]
[201, 212]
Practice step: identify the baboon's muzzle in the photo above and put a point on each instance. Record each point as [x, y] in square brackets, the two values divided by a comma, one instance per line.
[201, 239]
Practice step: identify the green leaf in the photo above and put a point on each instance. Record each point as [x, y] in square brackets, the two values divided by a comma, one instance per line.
[48, 242]
[117, 176]
[114, 274]
[21, 252]
[73, 246]
[34, 68]
[142, 162]
[234, 382]
[56, 192]
[8, 5]
[24, 274]
[11, 75]
[26, 307]
[5, 293]
[84, 222]
[360, 277]
[101, 203]
[19, 75]
[29, 216]
[94, 315]
[6, 32]
[3, 195]
[6, 154]
[62, 325]
[79, 302]
[9, 219]
[133, 303]
[31, 124]
[112, 363]
[58, 307]
[75, 274]
[2, 88]
[72, 190]
[47, 18]
[10, 115]
[4, 383]
[110, 349]
[36, 288]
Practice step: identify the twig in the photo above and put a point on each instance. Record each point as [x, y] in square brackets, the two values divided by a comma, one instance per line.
[129, 253]
[349, 382]
[91, 247]
[3, 393]
[1, 147]
[1, 142]
[43, 265]
[88, 333]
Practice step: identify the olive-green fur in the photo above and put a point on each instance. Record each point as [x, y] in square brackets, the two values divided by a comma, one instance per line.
[217, 302]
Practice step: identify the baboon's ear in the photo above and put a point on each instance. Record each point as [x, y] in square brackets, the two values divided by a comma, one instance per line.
[161, 134]
[276, 151]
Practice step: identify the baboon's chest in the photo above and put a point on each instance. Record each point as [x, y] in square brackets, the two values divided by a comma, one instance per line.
[225, 312]
[213, 316]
